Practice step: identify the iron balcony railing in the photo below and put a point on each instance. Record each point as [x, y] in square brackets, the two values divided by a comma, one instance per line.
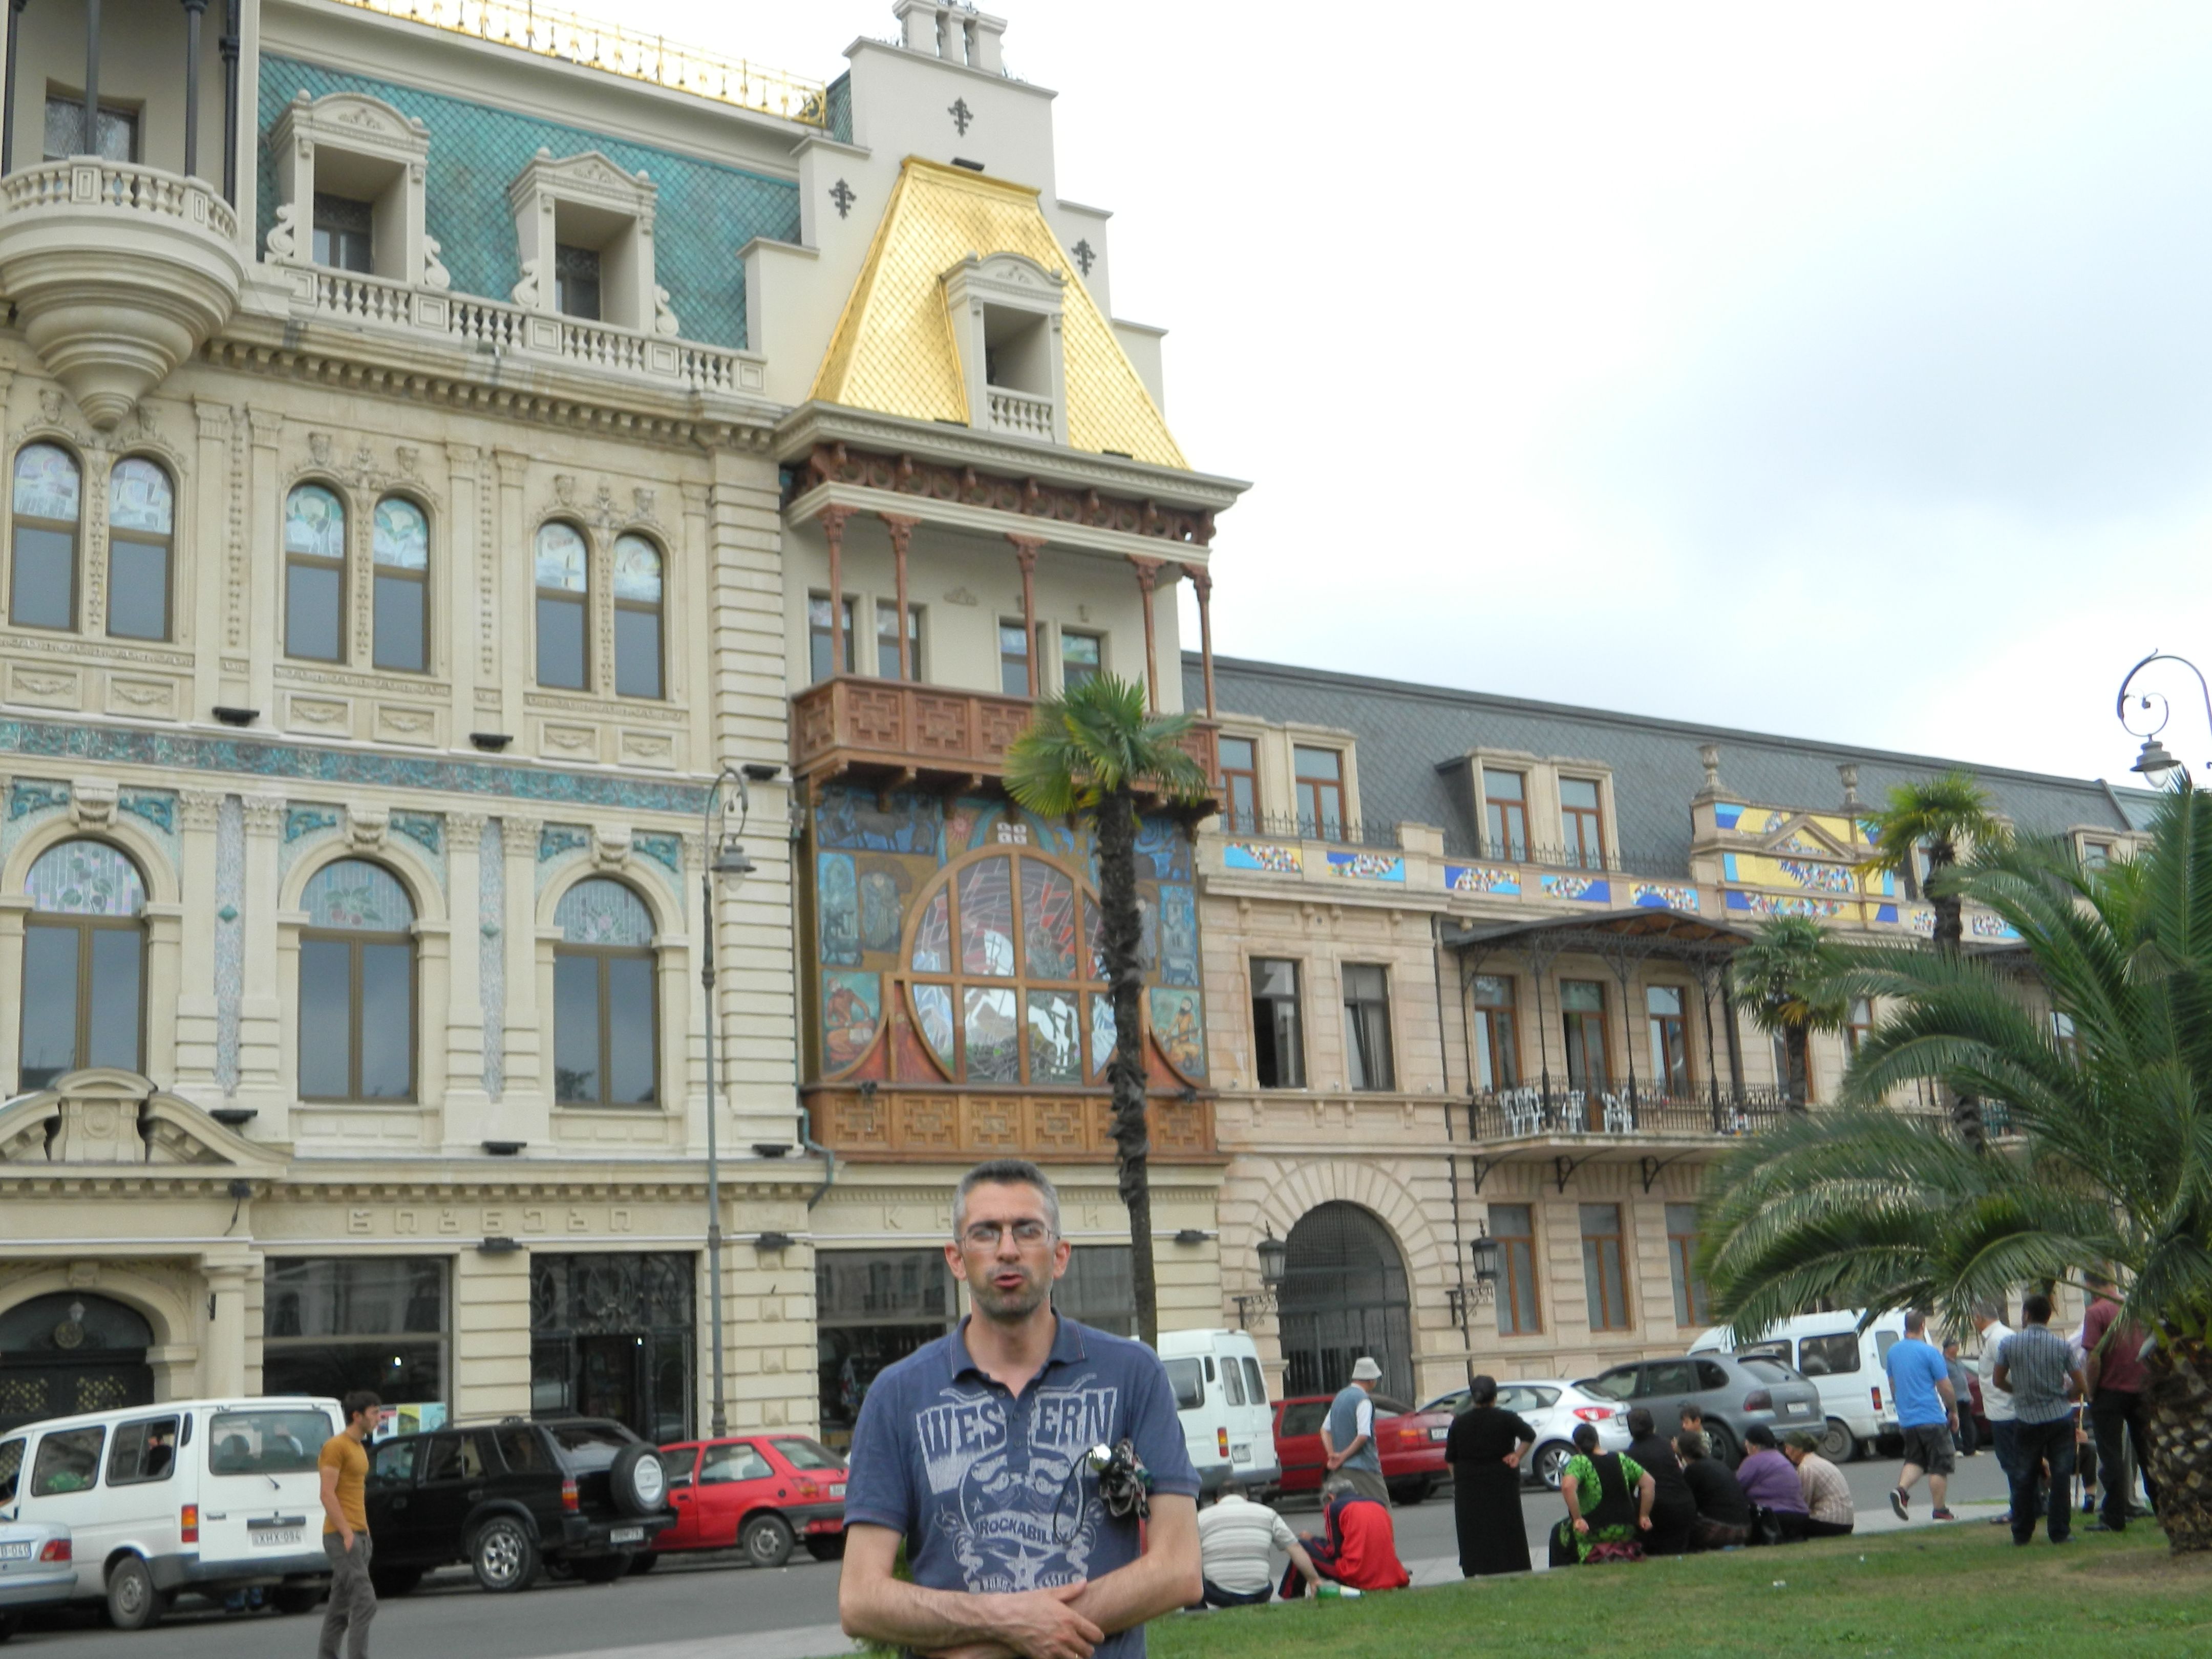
[1609, 860]
[1630, 1108]
[1291, 826]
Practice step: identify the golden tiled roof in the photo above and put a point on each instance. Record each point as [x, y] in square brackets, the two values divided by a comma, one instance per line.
[895, 352]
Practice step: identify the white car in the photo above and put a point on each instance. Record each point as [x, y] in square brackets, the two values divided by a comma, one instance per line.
[1554, 1410]
[38, 1568]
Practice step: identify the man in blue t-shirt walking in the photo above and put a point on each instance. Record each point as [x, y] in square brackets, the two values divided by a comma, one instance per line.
[1927, 1411]
[971, 1451]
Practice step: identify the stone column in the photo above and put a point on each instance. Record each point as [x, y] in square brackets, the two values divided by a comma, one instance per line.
[467, 1123]
[525, 1103]
[215, 567]
[223, 1366]
[832, 520]
[515, 623]
[194, 1065]
[264, 1040]
[901, 529]
[194, 10]
[491, 1327]
[163, 985]
[1202, 582]
[13, 910]
[467, 660]
[263, 623]
[1026, 554]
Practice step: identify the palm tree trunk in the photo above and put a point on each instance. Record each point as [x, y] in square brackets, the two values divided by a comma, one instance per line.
[1797, 1043]
[2180, 1401]
[1117, 904]
[1949, 939]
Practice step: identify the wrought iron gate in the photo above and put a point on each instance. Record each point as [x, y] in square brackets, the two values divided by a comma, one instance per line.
[1344, 1295]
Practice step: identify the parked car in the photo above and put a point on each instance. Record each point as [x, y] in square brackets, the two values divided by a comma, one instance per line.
[580, 1493]
[1845, 1364]
[193, 1497]
[1222, 1399]
[760, 1492]
[1410, 1443]
[1734, 1391]
[1553, 1410]
[37, 1568]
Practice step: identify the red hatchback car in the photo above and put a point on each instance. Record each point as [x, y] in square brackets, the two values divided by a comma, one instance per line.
[1411, 1443]
[760, 1492]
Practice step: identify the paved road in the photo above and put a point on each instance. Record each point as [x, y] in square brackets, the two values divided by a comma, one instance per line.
[693, 1609]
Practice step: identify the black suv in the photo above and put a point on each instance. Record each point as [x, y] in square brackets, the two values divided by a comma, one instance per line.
[581, 1493]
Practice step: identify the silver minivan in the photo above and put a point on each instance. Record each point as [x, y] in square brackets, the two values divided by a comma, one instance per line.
[193, 1497]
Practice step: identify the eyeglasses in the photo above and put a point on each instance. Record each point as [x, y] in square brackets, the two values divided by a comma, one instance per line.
[985, 1234]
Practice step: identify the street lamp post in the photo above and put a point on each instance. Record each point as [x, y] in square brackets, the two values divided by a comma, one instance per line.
[2157, 762]
[725, 857]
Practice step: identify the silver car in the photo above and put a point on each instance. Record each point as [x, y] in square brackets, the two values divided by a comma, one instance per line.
[37, 1569]
[1554, 1410]
[1734, 1391]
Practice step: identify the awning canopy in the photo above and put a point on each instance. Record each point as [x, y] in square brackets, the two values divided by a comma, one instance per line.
[1653, 928]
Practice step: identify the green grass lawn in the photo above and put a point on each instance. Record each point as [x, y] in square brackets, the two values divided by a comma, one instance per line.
[1956, 1591]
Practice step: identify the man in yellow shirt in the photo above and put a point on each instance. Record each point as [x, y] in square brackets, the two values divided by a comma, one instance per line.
[345, 1530]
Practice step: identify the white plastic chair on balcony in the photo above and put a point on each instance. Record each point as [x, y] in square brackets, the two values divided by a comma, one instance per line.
[1620, 1116]
[1524, 1111]
[1574, 1113]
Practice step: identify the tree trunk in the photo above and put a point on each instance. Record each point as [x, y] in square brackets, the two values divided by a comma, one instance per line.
[1117, 906]
[2181, 1401]
[1949, 939]
[1797, 1042]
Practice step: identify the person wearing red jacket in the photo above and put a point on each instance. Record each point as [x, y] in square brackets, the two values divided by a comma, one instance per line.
[1360, 1551]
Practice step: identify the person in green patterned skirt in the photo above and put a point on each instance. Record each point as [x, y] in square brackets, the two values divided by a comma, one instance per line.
[1609, 1497]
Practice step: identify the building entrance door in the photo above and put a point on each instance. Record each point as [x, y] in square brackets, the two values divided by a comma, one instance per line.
[612, 1336]
[70, 1352]
[1344, 1295]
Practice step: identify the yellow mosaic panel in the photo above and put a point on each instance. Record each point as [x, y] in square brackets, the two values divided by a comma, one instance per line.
[895, 351]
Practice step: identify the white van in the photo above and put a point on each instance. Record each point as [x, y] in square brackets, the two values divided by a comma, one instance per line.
[1829, 1350]
[1227, 1423]
[194, 1496]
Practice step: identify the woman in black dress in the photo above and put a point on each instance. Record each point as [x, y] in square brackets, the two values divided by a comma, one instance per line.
[1486, 1449]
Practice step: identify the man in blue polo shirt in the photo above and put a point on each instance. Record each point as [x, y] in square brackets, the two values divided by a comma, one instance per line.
[1927, 1412]
[971, 1451]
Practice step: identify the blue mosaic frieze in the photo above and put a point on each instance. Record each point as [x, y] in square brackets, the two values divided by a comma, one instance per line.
[491, 970]
[558, 846]
[305, 828]
[704, 212]
[665, 855]
[307, 820]
[54, 740]
[30, 795]
[155, 807]
[426, 830]
[229, 939]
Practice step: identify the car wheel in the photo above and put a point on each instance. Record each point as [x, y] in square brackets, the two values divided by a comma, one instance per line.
[1551, 1462]
[1836, 1445]
[503, 1555]
[643, 1563]
[1721, 1443]
[766, 1540]
[1411, 1492]
[603, 1569]
[388, 1581]
[133, 1603]
[639, 1485]
[299, 1598]
[831, 1548]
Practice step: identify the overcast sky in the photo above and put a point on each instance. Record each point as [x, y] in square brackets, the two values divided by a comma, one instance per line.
[1841, 370]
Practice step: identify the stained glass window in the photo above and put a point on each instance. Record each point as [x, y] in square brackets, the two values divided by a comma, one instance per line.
[561, 557]
[356, 999]
[42, 575]
[85, 878]
[933, 1004]
[933, 938]
[605, 1038]
[637, 570]
[1049, 908]
[563, 580]
[139, 497]
[403, 534]
[1056, 1038]
[354, 895]
[987, 919]
[46, 482]
[994, 1042]
[84, 960]
[314, 523]
[602, 912]
[637, 618]
[314, 574]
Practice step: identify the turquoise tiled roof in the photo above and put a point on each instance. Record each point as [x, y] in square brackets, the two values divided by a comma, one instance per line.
[838, 105]
[705, 213]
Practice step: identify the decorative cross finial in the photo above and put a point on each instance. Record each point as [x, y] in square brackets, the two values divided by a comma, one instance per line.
[961, 114]
[1709, 756]
[842, 194]
[1850, 775]
[1086, 256]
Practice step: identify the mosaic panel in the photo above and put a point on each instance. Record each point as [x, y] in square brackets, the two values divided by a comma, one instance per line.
[354, 896]
[426, 830]
[852, 1013]
[307, 820]
[602, 911]
[85, 878]
[1481, 878]
[1178, 935]
[1179, 1025]
[666, 851]
[1590, 890]
[1259, 855]
[1980, 925]
[156, 808]
[1368, 866]
[1770, 904]
[837, 908]
[1659, 896]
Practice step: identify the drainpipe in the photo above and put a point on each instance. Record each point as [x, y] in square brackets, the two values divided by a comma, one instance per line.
[806, 1139]
[1451, 1158]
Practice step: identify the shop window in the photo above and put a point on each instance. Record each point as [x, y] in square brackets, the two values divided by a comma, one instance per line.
[1240, 786]
[872, 1308]
[1582, 1008]
[65, 135]
[612, 1336]
[564, 561]
[1006, 980]
[1317, 779]
[1082, 659]
[638, 568]
[1013, 660]
[819, 642]
[314, 573]
[1367, 1028]
[1505, 813]
[1098, 1288]
[48, 508]
[344, 236]
[1496, 1046]
[1604, 1268]
[140, 522]
[1513, 1227]
[84, 964]
[331, 1325]
[1279, 1049]
[1693, 1308]
[606, 1033]
[887, 640]
[356, 986]
[401, 555]
[1580, 836]
[1670, 1046]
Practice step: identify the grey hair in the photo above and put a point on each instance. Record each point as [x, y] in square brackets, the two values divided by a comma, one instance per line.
[1990, 1310]
[1006, 1172]
[1914, 1321]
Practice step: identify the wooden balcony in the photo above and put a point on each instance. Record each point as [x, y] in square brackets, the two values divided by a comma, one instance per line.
[898, 729]
[954, 1125]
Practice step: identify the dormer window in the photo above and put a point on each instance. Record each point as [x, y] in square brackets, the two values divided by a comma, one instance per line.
[345, 233]
[350, 172]
[576, 281]
[583, 230]
[1006, 311]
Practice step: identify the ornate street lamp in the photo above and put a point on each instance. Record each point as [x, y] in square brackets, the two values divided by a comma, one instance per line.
[2157, 764]
[1274, 1256]
[726, 861]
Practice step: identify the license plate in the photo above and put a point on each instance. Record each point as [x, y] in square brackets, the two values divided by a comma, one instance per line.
[14, 1552]
[1241, 1453]
[626, 1536]
[837, 1490]
[1439, 1434]
[263, 1537]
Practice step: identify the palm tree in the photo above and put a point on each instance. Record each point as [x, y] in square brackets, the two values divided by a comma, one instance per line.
[1779, 977]
[1869, 1207]
[1943, 817]
[1089, 752]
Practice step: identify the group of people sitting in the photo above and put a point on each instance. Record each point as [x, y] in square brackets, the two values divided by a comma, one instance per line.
[1356, 1548]
[1658, 1497]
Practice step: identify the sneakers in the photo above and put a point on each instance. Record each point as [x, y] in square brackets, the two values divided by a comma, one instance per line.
[1898, 1502]
[1942, 1514]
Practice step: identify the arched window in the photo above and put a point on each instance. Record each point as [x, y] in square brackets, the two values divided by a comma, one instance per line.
[1007, 981]
[84, 964]
[400, 550]
[314, 574]
[356, 986]
[48, 500]
[141, 513]
[605, 1033]
[1344, 1293]
[637, 618]
[563, 594]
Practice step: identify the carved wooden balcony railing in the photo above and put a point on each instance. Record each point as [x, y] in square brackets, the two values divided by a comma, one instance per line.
[966, 1124]
[896, 727]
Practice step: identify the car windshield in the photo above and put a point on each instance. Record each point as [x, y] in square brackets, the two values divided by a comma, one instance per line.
[809, 1454]
[1769, 1370]
[590, 1446]
[265, 1441]
[1614, 1385]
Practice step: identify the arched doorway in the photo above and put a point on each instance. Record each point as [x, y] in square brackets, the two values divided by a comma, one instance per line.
[1344, 1295]
[70, 1353]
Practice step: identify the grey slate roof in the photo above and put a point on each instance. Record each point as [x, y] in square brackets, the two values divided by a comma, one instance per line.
[1405, 733]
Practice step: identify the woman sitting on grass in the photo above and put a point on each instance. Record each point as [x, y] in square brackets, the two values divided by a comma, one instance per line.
[1609, 1497]
[1360, 1551]
[1724, 1512]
